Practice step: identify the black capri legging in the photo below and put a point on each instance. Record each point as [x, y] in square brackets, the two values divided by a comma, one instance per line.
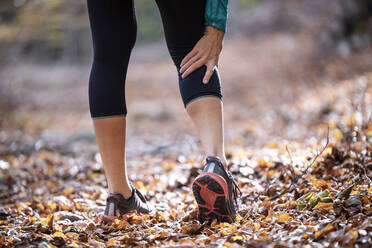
[114, 29]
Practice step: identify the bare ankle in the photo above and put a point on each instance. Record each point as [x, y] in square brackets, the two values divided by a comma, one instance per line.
[126, 192]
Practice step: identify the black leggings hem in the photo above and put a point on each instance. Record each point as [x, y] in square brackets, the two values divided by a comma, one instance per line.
[108, 116]
[202, 95]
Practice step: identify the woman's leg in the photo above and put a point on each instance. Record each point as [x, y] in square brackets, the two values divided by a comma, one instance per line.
[207, 115]
[110, 135]
[183, 22]
[113, 26]
[214, 189]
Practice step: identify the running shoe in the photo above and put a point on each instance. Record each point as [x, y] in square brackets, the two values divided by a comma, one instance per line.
[216, 192]
[117, 206]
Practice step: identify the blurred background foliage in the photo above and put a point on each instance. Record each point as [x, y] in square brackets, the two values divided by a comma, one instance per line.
[57, 31]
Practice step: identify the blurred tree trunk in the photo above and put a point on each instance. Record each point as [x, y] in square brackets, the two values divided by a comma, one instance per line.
[357, 17]
[6, 5]
[353, 26]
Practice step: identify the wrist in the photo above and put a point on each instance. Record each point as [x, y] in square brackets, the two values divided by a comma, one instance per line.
[213, 31]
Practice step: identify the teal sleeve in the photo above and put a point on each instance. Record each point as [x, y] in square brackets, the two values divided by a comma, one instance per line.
[216, 13]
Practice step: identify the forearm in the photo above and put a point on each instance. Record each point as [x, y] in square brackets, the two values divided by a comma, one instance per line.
[216, 13]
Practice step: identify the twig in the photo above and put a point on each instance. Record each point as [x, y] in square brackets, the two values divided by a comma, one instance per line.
[293, 174]
[365, 171]
[286, 190]
[295, 179]
[319, 153]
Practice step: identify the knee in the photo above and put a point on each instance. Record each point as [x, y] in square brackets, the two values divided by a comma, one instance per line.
[113, 52]
[192, 86]
[115, 49]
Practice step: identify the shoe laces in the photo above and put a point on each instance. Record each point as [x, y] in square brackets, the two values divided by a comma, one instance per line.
[236, 190]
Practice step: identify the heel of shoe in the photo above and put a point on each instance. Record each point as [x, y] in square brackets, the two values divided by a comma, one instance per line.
[211, 194]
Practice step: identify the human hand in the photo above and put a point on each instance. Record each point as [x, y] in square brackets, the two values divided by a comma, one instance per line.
[206, 52]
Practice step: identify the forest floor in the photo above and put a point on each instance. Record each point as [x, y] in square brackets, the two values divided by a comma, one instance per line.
[298, 140]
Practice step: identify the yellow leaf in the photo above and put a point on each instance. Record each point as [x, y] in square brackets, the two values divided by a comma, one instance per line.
[326, 230]
[121, 224]
[233, 229]
[162, 217]
[214, 224]
[238, 238]
[94, 175]
[52, 206]
[223, 232]
[135, 219]
[284, 217]
[69, 191]
[351, 121]
[173, 214]
[183, 213]
[272, 145]
[10, 240]
[49, 221]
[229, 245]
[353, 233]
[224, 224]
[325, 206]
[161, 235]
[112, 242]
[338, 135]
[190, 229]
[240, 154]
[313, 164]
[238, 217]
[59, 234]
[72, 235]
[331, 125]
[267, 219]
[318, 183]
[327, 151]
[256, 227]
[263, 236]
[213, 238]
[370, 132]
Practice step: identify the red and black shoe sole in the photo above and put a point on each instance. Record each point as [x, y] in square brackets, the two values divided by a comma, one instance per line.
[211, 193]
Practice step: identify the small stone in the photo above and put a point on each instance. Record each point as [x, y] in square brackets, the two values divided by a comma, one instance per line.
[58, 241]
[245, 170]
[43, 245]
[64, 215]
[362, 232]
[353, 201]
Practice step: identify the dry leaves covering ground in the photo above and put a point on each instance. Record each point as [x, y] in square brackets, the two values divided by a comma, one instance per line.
[300, 194]
[310, 192]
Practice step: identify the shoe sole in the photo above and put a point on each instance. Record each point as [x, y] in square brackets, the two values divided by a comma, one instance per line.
[211, 193]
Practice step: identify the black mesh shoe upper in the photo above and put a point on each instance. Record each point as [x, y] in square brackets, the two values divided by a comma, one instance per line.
[117, 205]
[214, 165]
